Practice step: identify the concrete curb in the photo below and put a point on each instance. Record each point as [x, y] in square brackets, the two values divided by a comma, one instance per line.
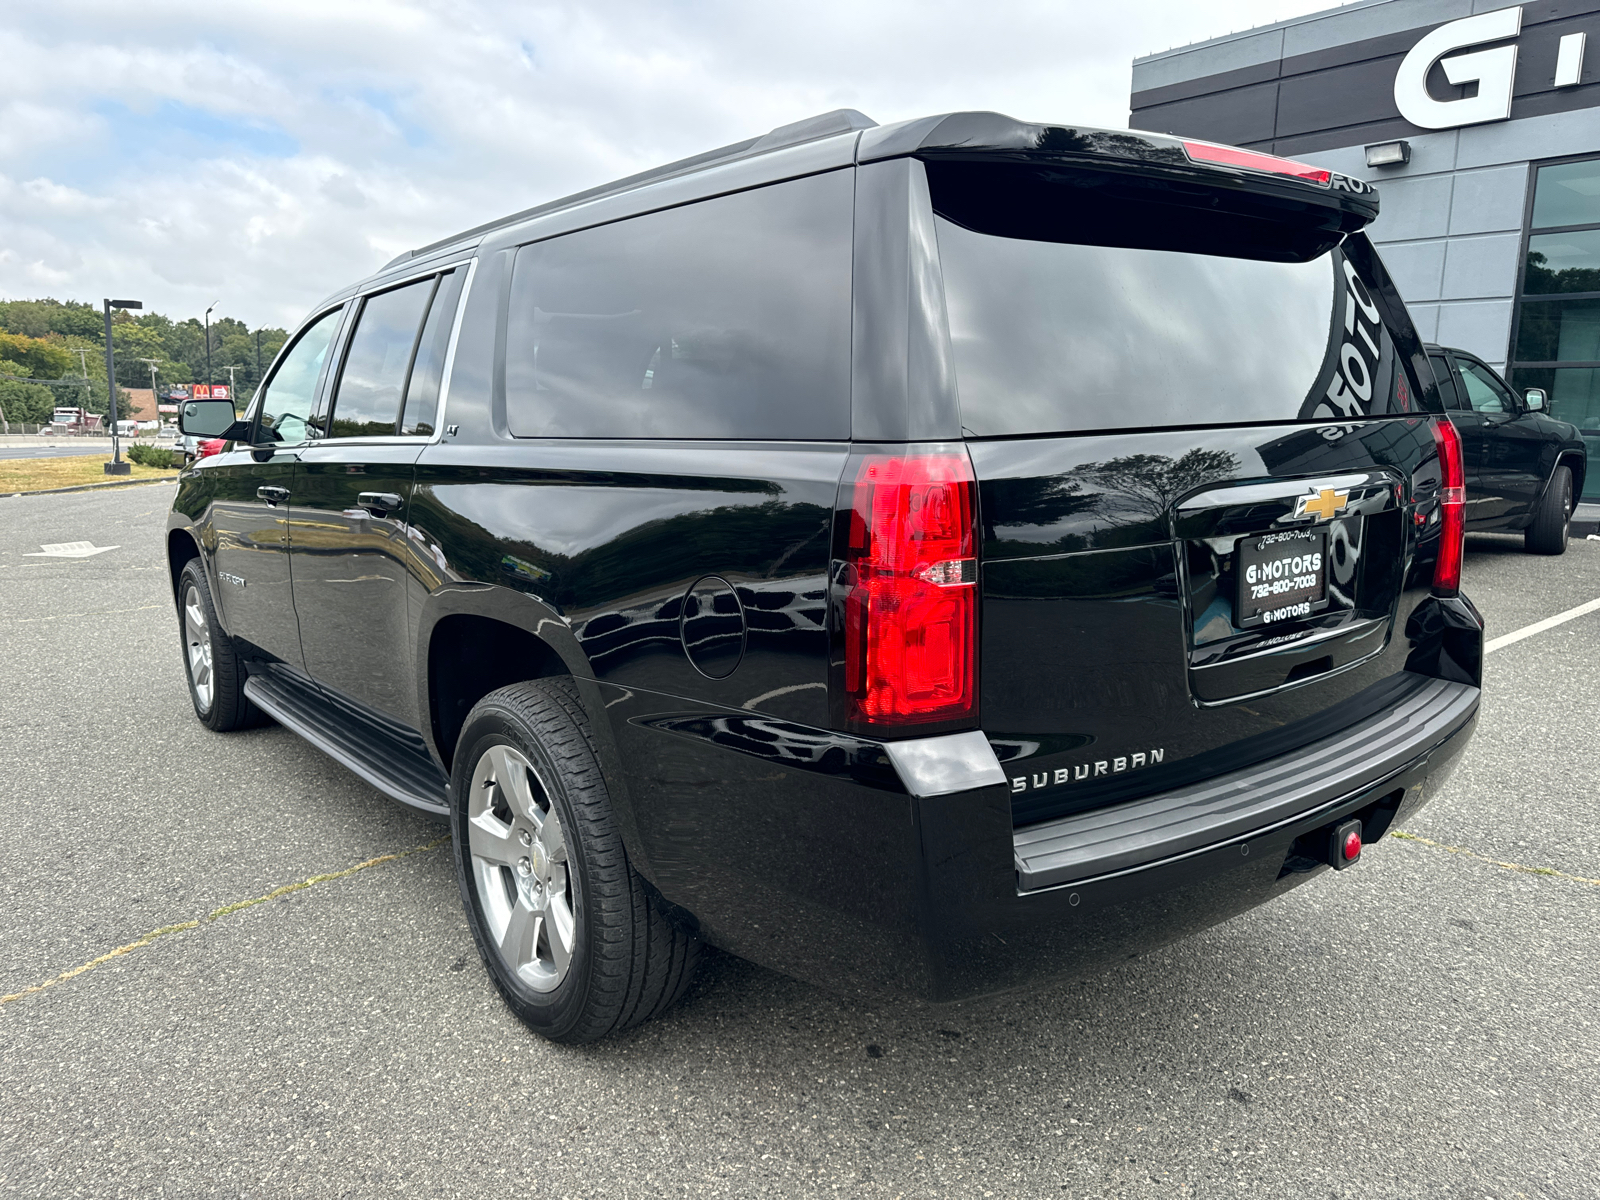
[91, 487]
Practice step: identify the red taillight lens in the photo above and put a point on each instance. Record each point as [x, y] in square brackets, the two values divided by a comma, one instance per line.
[1452, 507]
[1250, 160]
[911, 614]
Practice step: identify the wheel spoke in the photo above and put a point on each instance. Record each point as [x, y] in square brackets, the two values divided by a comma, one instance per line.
[560, 928]
[520, 936]
[512, 776]
[552, 838]
[493, 841]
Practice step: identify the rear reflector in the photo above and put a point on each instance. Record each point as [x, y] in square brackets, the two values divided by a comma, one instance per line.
[1250, 160]
[1344, 845]
[1452, 507]
[911, 609]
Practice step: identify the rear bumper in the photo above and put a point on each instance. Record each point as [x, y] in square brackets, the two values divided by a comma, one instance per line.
[1245, 804]
[1088, 891]
[807, 855]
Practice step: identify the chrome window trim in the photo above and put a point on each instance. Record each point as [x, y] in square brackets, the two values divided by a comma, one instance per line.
[398, 439]
[450, 353]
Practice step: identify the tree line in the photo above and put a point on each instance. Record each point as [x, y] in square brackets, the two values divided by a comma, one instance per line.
[52, 354]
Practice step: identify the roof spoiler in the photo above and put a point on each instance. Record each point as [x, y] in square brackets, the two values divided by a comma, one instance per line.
[992, 135]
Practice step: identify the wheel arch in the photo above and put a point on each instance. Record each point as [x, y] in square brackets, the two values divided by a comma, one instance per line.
[182, 549]
[1577, 462]
[475, 639]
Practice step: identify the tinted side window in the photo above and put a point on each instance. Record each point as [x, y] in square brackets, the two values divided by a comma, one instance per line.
[378, 361]
[286, 406]
[729, 318]
[422, 393]
[1484, 391]
[1446, 380]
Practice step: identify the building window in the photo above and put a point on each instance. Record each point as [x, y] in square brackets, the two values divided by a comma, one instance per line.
[1557, 342]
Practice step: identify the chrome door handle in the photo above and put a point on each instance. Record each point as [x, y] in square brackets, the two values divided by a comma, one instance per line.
[272, 494]
[379, 504]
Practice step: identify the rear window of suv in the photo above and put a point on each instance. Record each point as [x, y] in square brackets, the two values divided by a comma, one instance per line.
[1079, 306]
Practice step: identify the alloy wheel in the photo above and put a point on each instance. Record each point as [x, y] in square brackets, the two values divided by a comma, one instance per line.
[197, 647]
[520, 868]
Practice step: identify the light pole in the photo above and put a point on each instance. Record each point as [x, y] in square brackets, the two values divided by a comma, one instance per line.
[258, 360]
[155, 397]
[233, 390]
[214, 303]
[116, 466]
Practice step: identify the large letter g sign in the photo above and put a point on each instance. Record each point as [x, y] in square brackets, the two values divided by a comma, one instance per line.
[1492, 69]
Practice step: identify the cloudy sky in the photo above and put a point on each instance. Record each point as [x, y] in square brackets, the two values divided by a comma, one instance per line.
[262, 155]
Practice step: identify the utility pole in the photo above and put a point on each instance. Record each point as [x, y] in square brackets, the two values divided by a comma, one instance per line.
[233, 391]
[116, 466]
[83, 366]
[155, 397]
[214, 303]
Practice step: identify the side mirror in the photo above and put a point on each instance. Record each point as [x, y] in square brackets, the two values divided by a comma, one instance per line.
[1535, 398]
[210, 419]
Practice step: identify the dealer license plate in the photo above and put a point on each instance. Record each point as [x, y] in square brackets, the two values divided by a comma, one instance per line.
[1282, 576]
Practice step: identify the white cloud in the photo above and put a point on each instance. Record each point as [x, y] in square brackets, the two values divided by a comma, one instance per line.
[268, 154]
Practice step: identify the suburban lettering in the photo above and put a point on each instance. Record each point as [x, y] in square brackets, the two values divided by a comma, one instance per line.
[1078, 772]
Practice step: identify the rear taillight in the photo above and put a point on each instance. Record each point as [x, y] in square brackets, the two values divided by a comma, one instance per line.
[911, 611]
[1250, 160]
[1452, 507]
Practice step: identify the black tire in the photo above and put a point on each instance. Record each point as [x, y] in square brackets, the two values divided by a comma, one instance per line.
[227, 707]
[629, 960]
[1552, 519]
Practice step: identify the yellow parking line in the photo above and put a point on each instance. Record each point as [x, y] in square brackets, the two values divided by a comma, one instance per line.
[1495, 862]
[217, 914]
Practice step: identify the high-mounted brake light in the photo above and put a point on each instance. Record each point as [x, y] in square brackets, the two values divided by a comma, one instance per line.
[911, 613]
[1452, 507]
[1250, 160]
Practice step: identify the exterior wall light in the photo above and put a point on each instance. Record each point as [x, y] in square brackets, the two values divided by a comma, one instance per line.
[1389, 154]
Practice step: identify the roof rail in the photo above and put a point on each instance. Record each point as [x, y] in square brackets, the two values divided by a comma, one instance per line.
[828, 124]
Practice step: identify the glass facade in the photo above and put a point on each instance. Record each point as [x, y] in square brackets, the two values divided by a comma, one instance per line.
[1556, 344]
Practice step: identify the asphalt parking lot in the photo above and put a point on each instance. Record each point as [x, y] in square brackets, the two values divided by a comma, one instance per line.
[1425, 1025]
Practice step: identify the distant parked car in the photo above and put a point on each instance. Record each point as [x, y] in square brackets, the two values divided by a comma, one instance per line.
[209, 446]
[1524, 467]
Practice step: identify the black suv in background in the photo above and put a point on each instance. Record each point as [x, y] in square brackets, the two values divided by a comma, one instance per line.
[920, 558]
[1524, 467]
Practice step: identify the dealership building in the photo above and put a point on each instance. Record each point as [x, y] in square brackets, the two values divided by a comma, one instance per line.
[1480, 124]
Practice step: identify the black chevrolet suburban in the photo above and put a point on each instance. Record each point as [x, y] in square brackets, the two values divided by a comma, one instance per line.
[923, 559]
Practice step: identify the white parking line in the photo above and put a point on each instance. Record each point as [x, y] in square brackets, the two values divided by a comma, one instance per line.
[70, 550]
[1528, 631]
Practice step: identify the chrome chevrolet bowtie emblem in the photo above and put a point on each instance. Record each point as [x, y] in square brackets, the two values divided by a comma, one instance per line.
[1321, 505]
